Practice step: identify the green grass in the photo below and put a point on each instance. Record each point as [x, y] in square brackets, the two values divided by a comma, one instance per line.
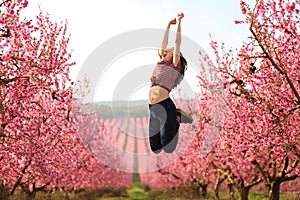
[265, 197]
[258, 197]
[137, 191]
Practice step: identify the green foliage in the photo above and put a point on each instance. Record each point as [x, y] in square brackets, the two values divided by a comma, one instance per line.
[137, 192]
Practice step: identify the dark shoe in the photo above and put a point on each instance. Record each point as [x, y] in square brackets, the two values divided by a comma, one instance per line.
[184, 117]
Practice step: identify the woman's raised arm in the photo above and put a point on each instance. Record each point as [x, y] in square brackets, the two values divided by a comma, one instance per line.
[166, 36]
[176, 56]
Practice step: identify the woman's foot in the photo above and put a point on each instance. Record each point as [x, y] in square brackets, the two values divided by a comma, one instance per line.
[183, 117]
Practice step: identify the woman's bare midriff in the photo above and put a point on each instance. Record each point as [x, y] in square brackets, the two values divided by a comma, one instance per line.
[157, 94]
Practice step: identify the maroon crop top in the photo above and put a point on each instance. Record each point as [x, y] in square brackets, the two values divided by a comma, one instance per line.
[165, 74]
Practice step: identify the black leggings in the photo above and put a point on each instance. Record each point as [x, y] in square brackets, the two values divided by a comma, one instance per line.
[163, 126]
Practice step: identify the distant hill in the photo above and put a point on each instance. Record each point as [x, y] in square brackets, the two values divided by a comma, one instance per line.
[122, 103]
[118, 109]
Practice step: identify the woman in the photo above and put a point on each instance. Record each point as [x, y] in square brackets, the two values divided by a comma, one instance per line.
[167, 74]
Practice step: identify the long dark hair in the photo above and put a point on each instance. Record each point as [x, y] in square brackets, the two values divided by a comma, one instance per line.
[183, 66]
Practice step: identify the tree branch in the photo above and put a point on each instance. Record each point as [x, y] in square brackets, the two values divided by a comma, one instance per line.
[260, 169]
[6, 34]
[284, 167]
[226, 174]
[6, 81]
[19, 179]
[289, 178]
[283, 72]
[255, 180]
[295, 164]
[3, 3]
[274, 170]
[168, 173]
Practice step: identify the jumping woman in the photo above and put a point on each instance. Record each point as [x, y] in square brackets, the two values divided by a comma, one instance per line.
[167, 74]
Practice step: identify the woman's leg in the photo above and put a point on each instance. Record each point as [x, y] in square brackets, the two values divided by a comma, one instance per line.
[169, 132]
[157, 119]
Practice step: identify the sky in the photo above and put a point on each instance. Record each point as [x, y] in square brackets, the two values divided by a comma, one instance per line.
[92, 22]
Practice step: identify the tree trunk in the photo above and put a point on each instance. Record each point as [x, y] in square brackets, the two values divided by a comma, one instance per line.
[30, 195]
[244, 190]
[244, 193]
[203, 190]
[217, 187]
[4, 193]
[196, 190]
[274, 191]
[231, 191]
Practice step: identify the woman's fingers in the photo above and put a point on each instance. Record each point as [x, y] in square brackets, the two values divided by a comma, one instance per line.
[180, 14]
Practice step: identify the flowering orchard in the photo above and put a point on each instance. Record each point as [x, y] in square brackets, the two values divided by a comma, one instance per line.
[43, 131]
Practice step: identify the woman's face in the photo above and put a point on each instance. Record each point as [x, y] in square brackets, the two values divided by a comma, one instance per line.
[168, 54]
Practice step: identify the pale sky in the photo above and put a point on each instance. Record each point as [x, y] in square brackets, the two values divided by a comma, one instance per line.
[91, 22]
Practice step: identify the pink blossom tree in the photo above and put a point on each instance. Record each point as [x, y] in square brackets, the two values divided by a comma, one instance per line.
[262, 93]
[36, 126]
[40, 147]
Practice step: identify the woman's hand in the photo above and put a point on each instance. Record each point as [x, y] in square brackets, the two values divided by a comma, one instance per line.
[179, 16]
[172, 22]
